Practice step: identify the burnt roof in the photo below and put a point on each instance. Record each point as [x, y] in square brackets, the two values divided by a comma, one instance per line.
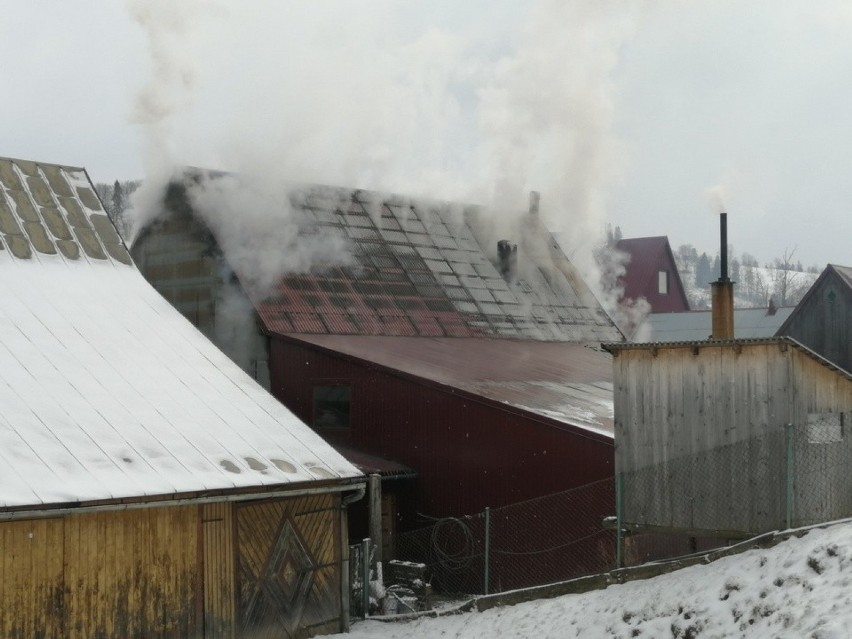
[566, 382]
[421, 268]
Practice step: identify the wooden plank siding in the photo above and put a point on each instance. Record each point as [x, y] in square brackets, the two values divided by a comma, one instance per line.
[176, 572]
[217, 521]
[700, 434]
[132, 573]
[822, 321]
[289, 567]
[31, 585]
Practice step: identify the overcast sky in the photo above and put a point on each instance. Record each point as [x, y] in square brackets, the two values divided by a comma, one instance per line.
[641, 115]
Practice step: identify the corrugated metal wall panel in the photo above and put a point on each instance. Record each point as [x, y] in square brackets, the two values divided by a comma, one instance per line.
[468, 454]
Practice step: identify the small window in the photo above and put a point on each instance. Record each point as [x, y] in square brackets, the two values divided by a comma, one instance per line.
[663, 282]
[825, 428]
[331, 406]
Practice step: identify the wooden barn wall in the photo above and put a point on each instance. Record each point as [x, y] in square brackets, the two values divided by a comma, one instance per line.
[219, 544]
[32, 590]
[823, 484]
[825, 325]
[700, 433]
[289, 567]
[468, 454]
[218, 571]
[109, 574]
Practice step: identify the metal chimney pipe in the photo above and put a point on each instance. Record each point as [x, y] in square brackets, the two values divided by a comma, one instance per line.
[535, 198]
[722, 291]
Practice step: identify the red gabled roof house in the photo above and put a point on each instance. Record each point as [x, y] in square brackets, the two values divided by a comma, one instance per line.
[651, 273]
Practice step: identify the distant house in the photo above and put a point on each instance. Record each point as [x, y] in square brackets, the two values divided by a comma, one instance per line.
[690, 326]
[727, 438]
[462, 355]
[148, 486]
[651, 273]
[822, 321]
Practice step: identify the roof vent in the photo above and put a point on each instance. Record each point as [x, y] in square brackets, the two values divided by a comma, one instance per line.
[507, 254]
[535, 198]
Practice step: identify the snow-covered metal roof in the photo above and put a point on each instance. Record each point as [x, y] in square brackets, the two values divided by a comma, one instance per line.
[106, 391]
[697, 325]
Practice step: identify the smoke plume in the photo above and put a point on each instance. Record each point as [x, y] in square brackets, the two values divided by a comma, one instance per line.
[384, 96]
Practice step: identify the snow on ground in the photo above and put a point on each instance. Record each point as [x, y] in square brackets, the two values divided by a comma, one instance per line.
[798, 589]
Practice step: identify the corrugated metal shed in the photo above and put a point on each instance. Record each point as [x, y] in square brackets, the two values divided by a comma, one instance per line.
[106, 392]
[697, 325]
[570, 383]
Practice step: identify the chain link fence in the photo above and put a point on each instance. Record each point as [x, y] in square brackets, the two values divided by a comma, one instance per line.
[795, 475]
[530, 543]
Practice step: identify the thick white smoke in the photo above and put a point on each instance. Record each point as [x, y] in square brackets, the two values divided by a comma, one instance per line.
[435, 102]
[171, 30]
[260, 231]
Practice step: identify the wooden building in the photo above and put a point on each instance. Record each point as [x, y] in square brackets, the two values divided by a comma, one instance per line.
[725, 438]
[427, 339]
[822, 321]
[148, 486]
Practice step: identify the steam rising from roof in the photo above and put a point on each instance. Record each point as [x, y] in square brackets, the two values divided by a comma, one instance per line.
[260, 230]
[361, 95]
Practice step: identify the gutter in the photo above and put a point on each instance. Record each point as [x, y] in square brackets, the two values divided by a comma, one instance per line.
[359, 488]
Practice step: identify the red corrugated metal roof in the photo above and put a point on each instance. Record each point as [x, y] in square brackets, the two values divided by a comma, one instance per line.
[569, 382]
[370, 464]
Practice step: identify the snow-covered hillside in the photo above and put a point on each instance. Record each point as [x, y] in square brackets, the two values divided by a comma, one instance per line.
[800, 589]
[754, 286]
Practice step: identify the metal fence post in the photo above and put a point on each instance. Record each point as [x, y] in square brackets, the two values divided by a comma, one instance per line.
[365, 576]
[487, 557]
[788, 432]
[619, 533]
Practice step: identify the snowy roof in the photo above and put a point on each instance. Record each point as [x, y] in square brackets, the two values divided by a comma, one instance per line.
[697, 325]
[566, 382]
[106, 391]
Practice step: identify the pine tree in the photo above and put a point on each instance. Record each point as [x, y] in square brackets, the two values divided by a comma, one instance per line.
[117, 201]
[703, 271]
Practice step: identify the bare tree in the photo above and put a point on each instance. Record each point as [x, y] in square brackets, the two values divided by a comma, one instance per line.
[785, 276]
